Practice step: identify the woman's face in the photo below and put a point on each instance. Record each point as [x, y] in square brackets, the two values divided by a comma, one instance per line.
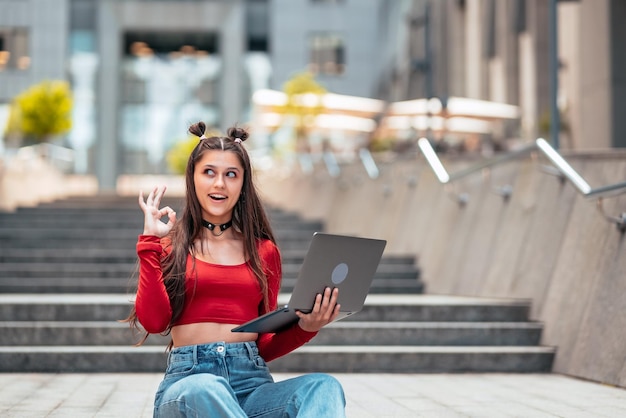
[218, 178]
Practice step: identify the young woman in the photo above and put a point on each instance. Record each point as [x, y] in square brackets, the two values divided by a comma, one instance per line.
[215, 268]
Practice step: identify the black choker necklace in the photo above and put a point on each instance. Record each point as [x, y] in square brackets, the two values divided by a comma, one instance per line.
[222, 227]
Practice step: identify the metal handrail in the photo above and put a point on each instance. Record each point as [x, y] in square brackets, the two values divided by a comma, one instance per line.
[444, 177]
[581, 185]
[369, 163]
[306, 163]
[563, 169]
[330, 161]
[576, 179]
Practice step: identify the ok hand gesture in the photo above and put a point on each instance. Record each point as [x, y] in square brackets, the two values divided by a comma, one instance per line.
[152, 224]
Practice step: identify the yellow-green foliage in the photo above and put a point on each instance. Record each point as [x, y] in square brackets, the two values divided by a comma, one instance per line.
[43, 110]
[299, 84]
[302, 114]
[178, 155]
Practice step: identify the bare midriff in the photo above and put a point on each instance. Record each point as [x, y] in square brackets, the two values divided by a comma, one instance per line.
[208, 332]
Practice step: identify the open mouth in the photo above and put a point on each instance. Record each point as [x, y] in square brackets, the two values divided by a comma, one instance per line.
[217, 197]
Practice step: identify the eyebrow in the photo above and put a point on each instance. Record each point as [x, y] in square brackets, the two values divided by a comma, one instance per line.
[227, 168]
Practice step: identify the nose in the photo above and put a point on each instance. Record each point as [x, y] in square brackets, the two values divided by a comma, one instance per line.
[219, 181]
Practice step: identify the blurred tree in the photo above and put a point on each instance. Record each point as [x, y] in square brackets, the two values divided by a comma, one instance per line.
[304, 103]
[178, 155]
[42, 111]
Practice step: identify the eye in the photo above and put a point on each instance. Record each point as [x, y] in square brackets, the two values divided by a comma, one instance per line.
[231, 174]
[209, 171]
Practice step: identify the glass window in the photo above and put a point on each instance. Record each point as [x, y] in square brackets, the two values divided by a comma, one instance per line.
[327, 54]
[14, 49]
[167, 80]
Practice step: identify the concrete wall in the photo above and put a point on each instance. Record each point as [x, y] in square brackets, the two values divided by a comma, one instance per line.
[547, 243]
[361, 25]
[47, 23]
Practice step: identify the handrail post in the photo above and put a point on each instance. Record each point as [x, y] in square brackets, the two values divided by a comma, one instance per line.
[306, 163]
[444, 177]
[369, 163]
[433, 160]
[331, 164]
[582, 186]
[567, 170]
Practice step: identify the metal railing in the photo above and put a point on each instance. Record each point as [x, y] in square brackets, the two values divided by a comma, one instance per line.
[331, 163]
[581, 185]
[445, 178]
[369, 163]
[563, 169]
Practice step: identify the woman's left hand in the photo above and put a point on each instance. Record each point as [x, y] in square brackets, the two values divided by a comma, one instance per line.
[325, 310]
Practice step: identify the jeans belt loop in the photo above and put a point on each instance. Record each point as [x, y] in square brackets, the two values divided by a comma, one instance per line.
[250, 349]
[195, 354]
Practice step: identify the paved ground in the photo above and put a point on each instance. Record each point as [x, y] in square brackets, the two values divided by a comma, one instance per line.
[368, 395]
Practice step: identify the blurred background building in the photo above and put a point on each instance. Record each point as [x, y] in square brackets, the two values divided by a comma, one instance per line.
[142, 70]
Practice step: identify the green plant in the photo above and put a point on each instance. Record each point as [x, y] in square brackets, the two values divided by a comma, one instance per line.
[43, 110]
[178, 155]
[545, 123]
[304, 103]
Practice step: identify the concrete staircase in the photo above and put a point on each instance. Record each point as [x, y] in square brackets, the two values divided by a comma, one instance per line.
[66, 281]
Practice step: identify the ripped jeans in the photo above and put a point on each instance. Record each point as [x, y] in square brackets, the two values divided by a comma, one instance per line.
[231, 380]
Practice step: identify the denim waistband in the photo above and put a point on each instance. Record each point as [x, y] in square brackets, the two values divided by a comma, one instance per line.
[219, 349]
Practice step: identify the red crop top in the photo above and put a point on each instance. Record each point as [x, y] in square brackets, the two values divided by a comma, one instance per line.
[223, 294]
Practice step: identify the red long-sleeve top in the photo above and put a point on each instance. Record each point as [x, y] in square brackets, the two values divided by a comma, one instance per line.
[214, 293]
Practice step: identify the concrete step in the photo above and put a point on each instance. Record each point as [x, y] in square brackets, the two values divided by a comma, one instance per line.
[68, 255]
[130, 233]
[53, 215]
[51, 271]
[378, 308]
[82, 333]
[118, 283]
[55, 333]
[416, 359]
[89, 243]
[52, 285]
[121, 255]
[66, 281]
[329, 359]
[412, 333]
[122, 269]
[111, 241]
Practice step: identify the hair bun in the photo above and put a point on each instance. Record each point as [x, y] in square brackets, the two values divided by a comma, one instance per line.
[236, 132]
[198, 129]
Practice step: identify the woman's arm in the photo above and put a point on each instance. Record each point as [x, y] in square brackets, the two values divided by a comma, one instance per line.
[274, 345]
[152, 303]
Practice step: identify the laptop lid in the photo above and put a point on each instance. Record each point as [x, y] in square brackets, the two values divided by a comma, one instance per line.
[346, 262]
[337, 261]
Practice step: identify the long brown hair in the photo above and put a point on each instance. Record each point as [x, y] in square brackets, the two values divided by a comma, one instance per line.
[249, 218]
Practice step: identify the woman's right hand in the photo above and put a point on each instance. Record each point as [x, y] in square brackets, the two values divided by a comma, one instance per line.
[152, 224]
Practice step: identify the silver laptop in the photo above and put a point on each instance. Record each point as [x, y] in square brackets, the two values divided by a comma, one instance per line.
[346, 262]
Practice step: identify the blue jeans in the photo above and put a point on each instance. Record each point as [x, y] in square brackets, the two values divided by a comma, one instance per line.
[232, 380]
